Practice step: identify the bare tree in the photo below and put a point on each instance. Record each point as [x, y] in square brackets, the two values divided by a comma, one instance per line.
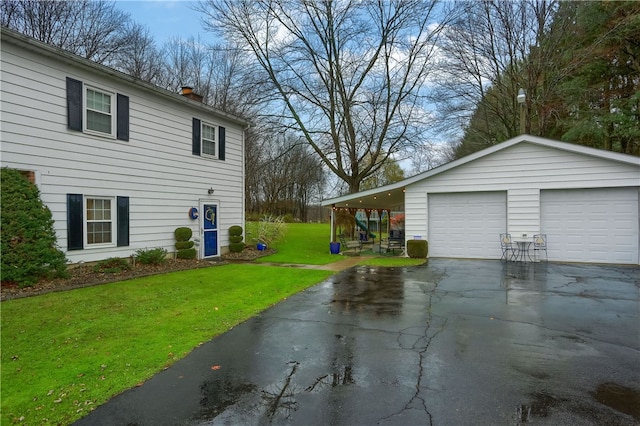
[349, 76]
[285, 178]
[218, 72]
[93, 29]
[491, 51]
[142, 60]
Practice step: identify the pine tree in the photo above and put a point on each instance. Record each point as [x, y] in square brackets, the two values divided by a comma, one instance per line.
[29, 250]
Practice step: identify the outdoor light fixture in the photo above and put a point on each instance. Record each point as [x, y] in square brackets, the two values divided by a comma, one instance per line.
[210, 191]
[521, 98]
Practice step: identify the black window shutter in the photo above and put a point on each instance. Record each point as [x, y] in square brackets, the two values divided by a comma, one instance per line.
[196, 137]
[122, 132]
[221, 142]
[75, 212]
[74, 104]
[123, 221]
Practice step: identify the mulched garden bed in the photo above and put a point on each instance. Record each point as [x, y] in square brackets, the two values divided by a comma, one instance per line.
[86, 276]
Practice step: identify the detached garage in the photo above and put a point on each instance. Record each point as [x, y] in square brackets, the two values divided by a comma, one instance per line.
[584, 199]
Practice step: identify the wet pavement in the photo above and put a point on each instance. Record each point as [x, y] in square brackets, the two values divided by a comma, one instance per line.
[453, 342]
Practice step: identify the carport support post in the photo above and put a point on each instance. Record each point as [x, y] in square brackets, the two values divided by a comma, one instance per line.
[333, 223]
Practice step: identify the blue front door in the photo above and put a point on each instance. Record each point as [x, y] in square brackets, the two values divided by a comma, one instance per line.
[210, 229]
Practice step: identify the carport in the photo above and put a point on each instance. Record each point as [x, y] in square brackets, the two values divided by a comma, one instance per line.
[386, 199]
[584, 199]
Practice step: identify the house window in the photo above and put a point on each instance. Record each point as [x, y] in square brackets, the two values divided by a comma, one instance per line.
[96, 111]
[99, 220]
[99, 111]
[209, 140]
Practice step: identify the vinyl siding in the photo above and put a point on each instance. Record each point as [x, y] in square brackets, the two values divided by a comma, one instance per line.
[155, 168]
[523, 170]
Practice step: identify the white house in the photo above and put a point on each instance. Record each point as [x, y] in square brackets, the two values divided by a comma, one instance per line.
[584, 199]
[120, 163]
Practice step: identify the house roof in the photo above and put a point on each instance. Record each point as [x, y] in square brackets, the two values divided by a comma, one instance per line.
[388, 196]
[26, 42]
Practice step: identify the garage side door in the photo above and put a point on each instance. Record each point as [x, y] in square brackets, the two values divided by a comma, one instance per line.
[467, 225]
[591, 225]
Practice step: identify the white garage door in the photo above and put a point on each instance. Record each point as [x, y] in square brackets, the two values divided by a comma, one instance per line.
[467, 225]
[591, 225]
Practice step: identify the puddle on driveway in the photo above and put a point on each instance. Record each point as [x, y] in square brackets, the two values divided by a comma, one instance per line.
[620, 398]
[217, 395]
[379, 291]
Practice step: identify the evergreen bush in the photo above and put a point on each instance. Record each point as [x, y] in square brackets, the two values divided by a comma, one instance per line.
[29, 243]
[236, 247]
[235, 239]
[417, 249]
[186, 254]
[183, 245]
[235, 230]
[183, 234]
[156, 256]
[112, 265]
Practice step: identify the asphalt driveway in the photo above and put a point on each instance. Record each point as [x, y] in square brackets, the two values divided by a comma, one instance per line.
[453, 342]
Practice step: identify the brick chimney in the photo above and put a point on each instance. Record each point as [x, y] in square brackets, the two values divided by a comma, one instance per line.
[189, 93]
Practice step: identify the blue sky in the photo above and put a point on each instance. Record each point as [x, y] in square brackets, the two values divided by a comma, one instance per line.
[165, 19]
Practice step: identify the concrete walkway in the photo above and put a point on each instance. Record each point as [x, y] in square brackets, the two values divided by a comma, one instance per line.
[345, 262]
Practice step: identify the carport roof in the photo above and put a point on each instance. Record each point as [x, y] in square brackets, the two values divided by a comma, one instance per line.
[388, 196]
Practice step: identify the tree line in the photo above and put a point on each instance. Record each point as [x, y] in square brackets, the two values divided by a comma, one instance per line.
[341, 93]
[577, 62]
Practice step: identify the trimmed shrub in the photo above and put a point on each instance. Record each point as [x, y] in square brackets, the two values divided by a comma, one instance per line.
[156, 256]
[417, 249]
[235, 230]
[186, 254]
[236, 247]
[183, 234]
[183, 245]
[29, 243]
[235, 239]
[112, 265]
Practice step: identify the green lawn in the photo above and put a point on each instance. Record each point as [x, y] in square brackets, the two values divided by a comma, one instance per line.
[65, 353]
[306, 243]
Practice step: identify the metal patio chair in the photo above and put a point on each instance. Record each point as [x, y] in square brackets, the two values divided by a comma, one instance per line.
[540, 244]
[509, 250]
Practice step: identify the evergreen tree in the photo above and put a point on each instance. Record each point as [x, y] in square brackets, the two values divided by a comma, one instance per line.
[602, 97]
[29, 250]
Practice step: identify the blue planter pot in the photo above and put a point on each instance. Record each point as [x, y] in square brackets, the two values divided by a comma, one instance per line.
[261, 246]
[334, 248]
